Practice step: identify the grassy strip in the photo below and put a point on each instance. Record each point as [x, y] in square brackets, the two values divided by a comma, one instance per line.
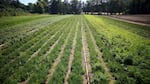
[76, 70]
[137, 29]
[126, 53]
[61, 69]
[11, 21]
[98, 72]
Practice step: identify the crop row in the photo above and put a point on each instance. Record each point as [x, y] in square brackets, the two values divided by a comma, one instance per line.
[13, 34]
[20, 39]
[35, 70]
[10, 21]
[50, 59]
[61, 69]
[14, 51]
[137, 29]
[21, 60]
[124, 51]
[99, 75]
[28, 45]
[75, 76]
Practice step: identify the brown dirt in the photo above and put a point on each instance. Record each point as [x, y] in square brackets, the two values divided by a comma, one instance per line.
[136, 19]
[86, 58]
[71, 56]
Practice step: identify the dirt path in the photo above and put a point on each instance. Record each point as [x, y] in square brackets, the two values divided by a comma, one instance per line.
[103, 64]
[57, 60]
[71, 55]
[129, 21]
[86, 58]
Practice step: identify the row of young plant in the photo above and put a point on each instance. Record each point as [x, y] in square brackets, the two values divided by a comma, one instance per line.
[75, 76]
[137, 29]
[36, 69]
[21, 60]
[12, 34]
[41, 75]
[61, 69]
[28, 45]
[126, 53]
[13, 51]
[98, 73]
[9, 32]
[21, 38]
[11, 21]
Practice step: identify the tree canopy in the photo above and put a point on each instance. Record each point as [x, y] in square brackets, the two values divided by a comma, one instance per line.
[76, 6]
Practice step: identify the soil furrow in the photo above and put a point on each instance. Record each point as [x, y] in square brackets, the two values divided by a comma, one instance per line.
[86, 61]
[71, 56]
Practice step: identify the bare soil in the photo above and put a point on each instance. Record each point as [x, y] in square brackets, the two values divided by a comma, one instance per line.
[86, 58]
[138, 19]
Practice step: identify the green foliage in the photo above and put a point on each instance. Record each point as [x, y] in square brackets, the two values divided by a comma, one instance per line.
[128, 60]
[99, 77]
[122, 48]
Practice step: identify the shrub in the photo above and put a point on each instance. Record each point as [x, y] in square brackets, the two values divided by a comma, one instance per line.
[128, 60]
[99, 78]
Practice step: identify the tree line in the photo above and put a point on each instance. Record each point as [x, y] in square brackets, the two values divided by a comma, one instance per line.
[56, 7]
[14, 7]
[118, 6]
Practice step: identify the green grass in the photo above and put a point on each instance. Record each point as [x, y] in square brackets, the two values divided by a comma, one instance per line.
[125, 49]
[14, 20]
[137, 29]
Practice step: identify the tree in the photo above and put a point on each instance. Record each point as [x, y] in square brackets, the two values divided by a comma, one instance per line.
[76, 6]
[55, 6]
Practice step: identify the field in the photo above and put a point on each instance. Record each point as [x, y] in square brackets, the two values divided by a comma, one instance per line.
[73, 49]
[136, 19]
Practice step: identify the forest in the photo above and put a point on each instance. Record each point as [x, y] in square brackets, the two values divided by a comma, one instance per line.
[15, 7]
